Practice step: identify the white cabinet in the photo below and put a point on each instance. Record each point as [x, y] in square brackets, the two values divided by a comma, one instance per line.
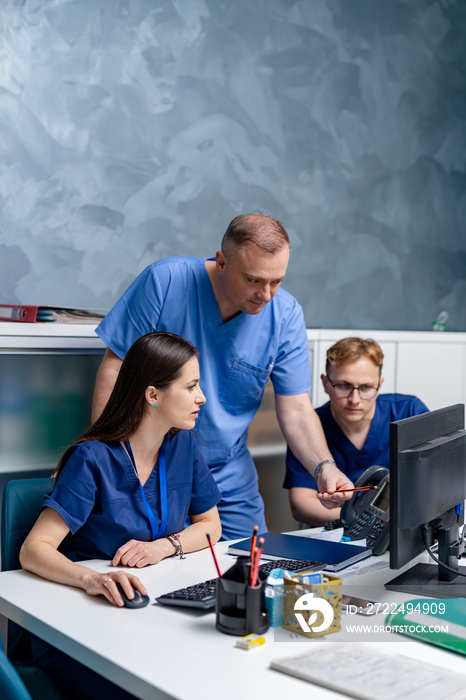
[433, 371]
[429, 365]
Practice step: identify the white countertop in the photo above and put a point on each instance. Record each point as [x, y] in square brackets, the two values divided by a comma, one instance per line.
[163, 652]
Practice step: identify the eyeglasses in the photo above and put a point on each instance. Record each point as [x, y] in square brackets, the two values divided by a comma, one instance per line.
[344, 391]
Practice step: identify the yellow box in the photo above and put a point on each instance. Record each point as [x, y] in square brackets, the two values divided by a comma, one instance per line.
[312, 609]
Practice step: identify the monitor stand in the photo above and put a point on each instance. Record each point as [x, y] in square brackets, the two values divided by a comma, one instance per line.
[422, 580]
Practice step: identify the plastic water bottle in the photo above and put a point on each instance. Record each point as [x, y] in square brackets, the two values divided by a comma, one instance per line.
[441, 321]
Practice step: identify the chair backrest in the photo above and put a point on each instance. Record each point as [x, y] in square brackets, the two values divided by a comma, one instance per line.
[11, 685]
[22, 501]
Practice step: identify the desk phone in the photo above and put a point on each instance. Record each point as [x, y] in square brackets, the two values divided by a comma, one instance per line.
[366, 515]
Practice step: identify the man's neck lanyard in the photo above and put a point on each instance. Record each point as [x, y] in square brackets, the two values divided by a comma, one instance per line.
[157, 532]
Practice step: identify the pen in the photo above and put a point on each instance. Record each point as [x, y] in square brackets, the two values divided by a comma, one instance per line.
[370, 487]
[213, 554]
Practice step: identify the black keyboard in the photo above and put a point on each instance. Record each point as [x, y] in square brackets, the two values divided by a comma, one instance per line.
[203, 595]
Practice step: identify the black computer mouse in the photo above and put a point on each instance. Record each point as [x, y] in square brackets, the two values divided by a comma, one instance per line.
[139, 600]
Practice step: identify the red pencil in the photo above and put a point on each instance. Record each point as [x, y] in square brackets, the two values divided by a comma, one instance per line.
[211, 545]
[254, 539]
[257, 559]
[360, 488]
[370, 487]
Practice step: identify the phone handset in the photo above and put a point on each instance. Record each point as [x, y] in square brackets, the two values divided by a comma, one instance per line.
[366, 515]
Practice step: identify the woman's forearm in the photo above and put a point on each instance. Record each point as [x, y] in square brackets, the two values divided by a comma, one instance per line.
[43, 559]
[194, 536]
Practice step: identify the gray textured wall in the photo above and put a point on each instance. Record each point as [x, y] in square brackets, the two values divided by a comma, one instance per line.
[135, 129]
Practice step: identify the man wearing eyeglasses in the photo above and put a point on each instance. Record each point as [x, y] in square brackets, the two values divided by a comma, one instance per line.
[355, 421]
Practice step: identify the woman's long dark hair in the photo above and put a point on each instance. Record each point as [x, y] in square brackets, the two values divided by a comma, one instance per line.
[155, 359]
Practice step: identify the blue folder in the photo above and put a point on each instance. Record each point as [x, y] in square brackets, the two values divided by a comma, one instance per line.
[278, 546]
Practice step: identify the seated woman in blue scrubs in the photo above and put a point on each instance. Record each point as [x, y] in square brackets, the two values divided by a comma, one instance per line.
[126, 486]
[355, 422]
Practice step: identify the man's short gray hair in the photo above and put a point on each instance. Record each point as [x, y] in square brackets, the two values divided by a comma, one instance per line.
[262, 230]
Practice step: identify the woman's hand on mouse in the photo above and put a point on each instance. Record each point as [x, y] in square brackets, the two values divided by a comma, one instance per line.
[140, 554]
[106, 585]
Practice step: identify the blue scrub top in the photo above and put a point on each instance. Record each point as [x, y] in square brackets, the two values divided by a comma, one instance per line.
[236, 358]
[350, 460]
[98, 495]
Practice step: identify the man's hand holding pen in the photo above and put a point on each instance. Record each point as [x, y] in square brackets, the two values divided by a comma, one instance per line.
[369, 487]
[333, 486]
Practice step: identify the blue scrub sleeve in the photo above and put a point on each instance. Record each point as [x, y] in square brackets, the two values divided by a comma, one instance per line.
[136, 313]
[76, 490]
[291, 373]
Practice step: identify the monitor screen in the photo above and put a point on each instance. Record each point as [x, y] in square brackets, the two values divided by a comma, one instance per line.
[427, 490]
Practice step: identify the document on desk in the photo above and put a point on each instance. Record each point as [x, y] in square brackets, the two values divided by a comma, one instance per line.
[365, 566]
[334, 536]
[360, 671]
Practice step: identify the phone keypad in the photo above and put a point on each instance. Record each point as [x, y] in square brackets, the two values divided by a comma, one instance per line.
[377, 530]
[364, 521]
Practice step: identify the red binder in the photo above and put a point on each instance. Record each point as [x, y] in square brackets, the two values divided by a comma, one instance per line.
[46, 314]
[26, 314]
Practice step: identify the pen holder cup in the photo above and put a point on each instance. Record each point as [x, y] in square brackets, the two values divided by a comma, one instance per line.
[302, 600]
[240, 607]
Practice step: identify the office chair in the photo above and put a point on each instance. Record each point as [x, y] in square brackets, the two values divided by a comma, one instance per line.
[22, 501]
[34, 684]
[11, 685]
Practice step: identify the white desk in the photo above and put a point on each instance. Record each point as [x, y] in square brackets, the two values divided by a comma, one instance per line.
[161, 652]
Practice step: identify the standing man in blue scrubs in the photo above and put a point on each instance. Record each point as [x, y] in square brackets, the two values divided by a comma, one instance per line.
[356, 422]
[247, 328]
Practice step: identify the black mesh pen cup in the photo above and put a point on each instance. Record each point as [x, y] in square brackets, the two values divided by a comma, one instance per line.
[240, 607]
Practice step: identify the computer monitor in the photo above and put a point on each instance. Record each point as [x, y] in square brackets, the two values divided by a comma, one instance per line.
[427, 491]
